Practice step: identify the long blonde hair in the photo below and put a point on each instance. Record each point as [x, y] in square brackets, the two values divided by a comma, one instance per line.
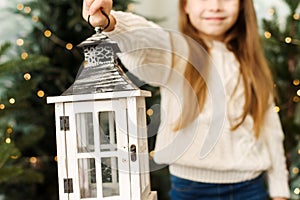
[243, 40]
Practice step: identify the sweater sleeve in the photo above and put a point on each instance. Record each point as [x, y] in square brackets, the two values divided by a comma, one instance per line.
[277, 174]
[145, 47]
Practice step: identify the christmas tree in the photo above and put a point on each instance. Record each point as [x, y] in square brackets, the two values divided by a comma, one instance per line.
[282, 47]
[18, 133]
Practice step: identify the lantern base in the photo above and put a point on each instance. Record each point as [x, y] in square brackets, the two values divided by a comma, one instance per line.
[152, 195]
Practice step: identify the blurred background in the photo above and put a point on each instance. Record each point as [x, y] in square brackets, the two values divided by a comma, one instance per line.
[39, 58]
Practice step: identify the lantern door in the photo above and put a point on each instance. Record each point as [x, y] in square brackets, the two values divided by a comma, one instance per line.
[96, 148]
[138, 145]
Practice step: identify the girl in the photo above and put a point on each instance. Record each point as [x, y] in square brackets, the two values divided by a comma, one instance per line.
[218, 132]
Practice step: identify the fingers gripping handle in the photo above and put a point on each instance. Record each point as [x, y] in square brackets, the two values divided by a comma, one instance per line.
[100, 29]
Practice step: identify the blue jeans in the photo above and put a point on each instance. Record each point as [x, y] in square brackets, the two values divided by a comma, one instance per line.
[183, 189]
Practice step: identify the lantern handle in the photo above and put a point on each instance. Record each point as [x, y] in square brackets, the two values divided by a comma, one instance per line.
[100, 29]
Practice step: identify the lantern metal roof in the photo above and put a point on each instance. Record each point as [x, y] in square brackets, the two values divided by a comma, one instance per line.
[101, 75]
[101, 71]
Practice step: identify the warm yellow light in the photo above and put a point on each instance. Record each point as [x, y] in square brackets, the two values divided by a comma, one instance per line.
[299, 151]
[12, 101]
[296, 16]
[297, 191]
[20, 42]
[151, 154]
[150, 112]
[41, 93]
[35, 18]
[20, 6]
[296, 99]
[298, 93]
[7, 140]
[27, 76]
[276, 109]
[268, 35]
[288, 40]
[69, 46]
[296, 82]
[9, 130]
[14, 157]
[2, 106]
[130, 7]
[27, 9]
[55, 158]
[33, 160]
[295, 170]
[271, 11]
[24, 56]
[47, 33]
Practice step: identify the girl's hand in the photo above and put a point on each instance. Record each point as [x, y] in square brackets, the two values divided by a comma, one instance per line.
[93, 8]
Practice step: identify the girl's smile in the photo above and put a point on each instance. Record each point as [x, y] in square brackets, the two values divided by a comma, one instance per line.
[212, 18]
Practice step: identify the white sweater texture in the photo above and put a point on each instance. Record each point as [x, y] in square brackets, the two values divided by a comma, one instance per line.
[207, 150]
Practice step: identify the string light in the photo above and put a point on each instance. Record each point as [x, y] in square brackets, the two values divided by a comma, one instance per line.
[150, 112]
[47, 33]
[297, 191]
[27, 76]
[12, 101]
[55, 158]
[277, 109]
[296, 16]
[27, 9]
[7, 140]
[20, 42]
[298, 93]
[295, 170]
[288, 40]
[296, 99]
[20, 6]
[9, 130]
[268, 35]
[69, 46]
[296, 82]
[24, 56]
[14, 157]
[151, 154]
[2, 106]
[299, 151]
[41, 93]
[35, 18]
[33, 160]
[130, 7]
[271, 11]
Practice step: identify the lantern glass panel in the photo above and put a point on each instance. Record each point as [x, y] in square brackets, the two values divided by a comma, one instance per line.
[108, 136]
[110, 177]
[85, 132]
[87, 178]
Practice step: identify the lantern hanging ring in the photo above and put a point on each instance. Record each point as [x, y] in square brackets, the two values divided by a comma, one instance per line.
[100, 29]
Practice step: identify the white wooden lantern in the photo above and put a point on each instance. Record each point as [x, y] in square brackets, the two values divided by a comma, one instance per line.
[101, 131]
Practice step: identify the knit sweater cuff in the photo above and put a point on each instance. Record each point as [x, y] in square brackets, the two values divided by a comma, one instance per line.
[277, 188]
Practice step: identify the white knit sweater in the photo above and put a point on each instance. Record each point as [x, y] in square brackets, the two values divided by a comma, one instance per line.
[206, 150]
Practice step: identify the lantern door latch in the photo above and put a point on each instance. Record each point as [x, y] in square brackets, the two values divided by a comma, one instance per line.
[64, 123]
[133, 153]
[68, 185]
